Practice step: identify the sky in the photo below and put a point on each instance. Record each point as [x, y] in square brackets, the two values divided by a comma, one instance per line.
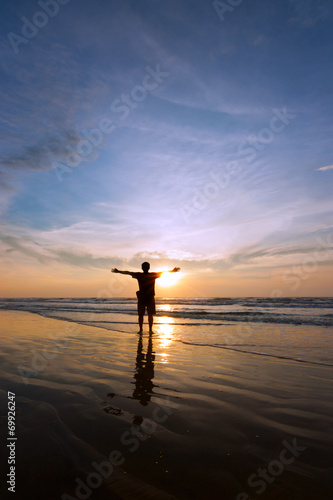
[185, 133]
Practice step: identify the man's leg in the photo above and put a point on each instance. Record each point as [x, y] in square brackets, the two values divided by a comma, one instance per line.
[150, 321]
[140, 321]
[151, 310]
[141, 313]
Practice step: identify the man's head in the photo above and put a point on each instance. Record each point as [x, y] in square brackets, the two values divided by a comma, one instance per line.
[145, 267]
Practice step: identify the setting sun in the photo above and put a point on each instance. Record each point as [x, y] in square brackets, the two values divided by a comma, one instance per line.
[169, 279]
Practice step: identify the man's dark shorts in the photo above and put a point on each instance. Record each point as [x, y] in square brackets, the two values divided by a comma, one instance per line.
[146, 302]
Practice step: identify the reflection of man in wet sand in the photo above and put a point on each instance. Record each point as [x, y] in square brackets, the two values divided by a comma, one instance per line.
[146, 293]
[144, 373]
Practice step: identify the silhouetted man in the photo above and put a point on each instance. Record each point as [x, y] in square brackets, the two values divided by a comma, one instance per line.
[146, 293]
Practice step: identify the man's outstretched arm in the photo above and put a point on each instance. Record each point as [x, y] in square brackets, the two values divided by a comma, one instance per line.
[174, 270]
[115, 270]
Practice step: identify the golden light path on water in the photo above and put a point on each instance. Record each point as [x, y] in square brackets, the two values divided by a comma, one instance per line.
[165, 328]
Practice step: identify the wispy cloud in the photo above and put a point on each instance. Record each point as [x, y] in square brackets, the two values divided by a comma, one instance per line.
[309, 12]
[39, 156]
[323, 169]
[30, 249]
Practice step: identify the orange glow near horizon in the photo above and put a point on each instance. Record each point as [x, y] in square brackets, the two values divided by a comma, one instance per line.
[19, 281]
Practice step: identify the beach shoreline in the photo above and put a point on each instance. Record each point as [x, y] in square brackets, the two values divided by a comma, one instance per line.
[187, 421]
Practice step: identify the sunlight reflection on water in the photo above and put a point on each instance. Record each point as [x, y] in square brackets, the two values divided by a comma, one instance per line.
[165, 329]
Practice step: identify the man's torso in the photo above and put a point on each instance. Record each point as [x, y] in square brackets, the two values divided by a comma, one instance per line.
[146, 284]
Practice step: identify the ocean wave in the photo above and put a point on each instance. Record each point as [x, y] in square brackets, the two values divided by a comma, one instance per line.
[300, 311]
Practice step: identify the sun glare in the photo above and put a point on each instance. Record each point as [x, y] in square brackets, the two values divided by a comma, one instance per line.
[169, 279]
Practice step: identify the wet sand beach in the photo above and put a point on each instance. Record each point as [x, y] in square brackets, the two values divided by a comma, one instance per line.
[113, 415]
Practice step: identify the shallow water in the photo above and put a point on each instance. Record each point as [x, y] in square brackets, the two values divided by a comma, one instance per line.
[300, 329]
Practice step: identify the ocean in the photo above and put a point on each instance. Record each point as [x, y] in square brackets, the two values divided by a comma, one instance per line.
[299, 329]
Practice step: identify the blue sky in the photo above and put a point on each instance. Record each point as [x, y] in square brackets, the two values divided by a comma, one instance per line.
[204, 141]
